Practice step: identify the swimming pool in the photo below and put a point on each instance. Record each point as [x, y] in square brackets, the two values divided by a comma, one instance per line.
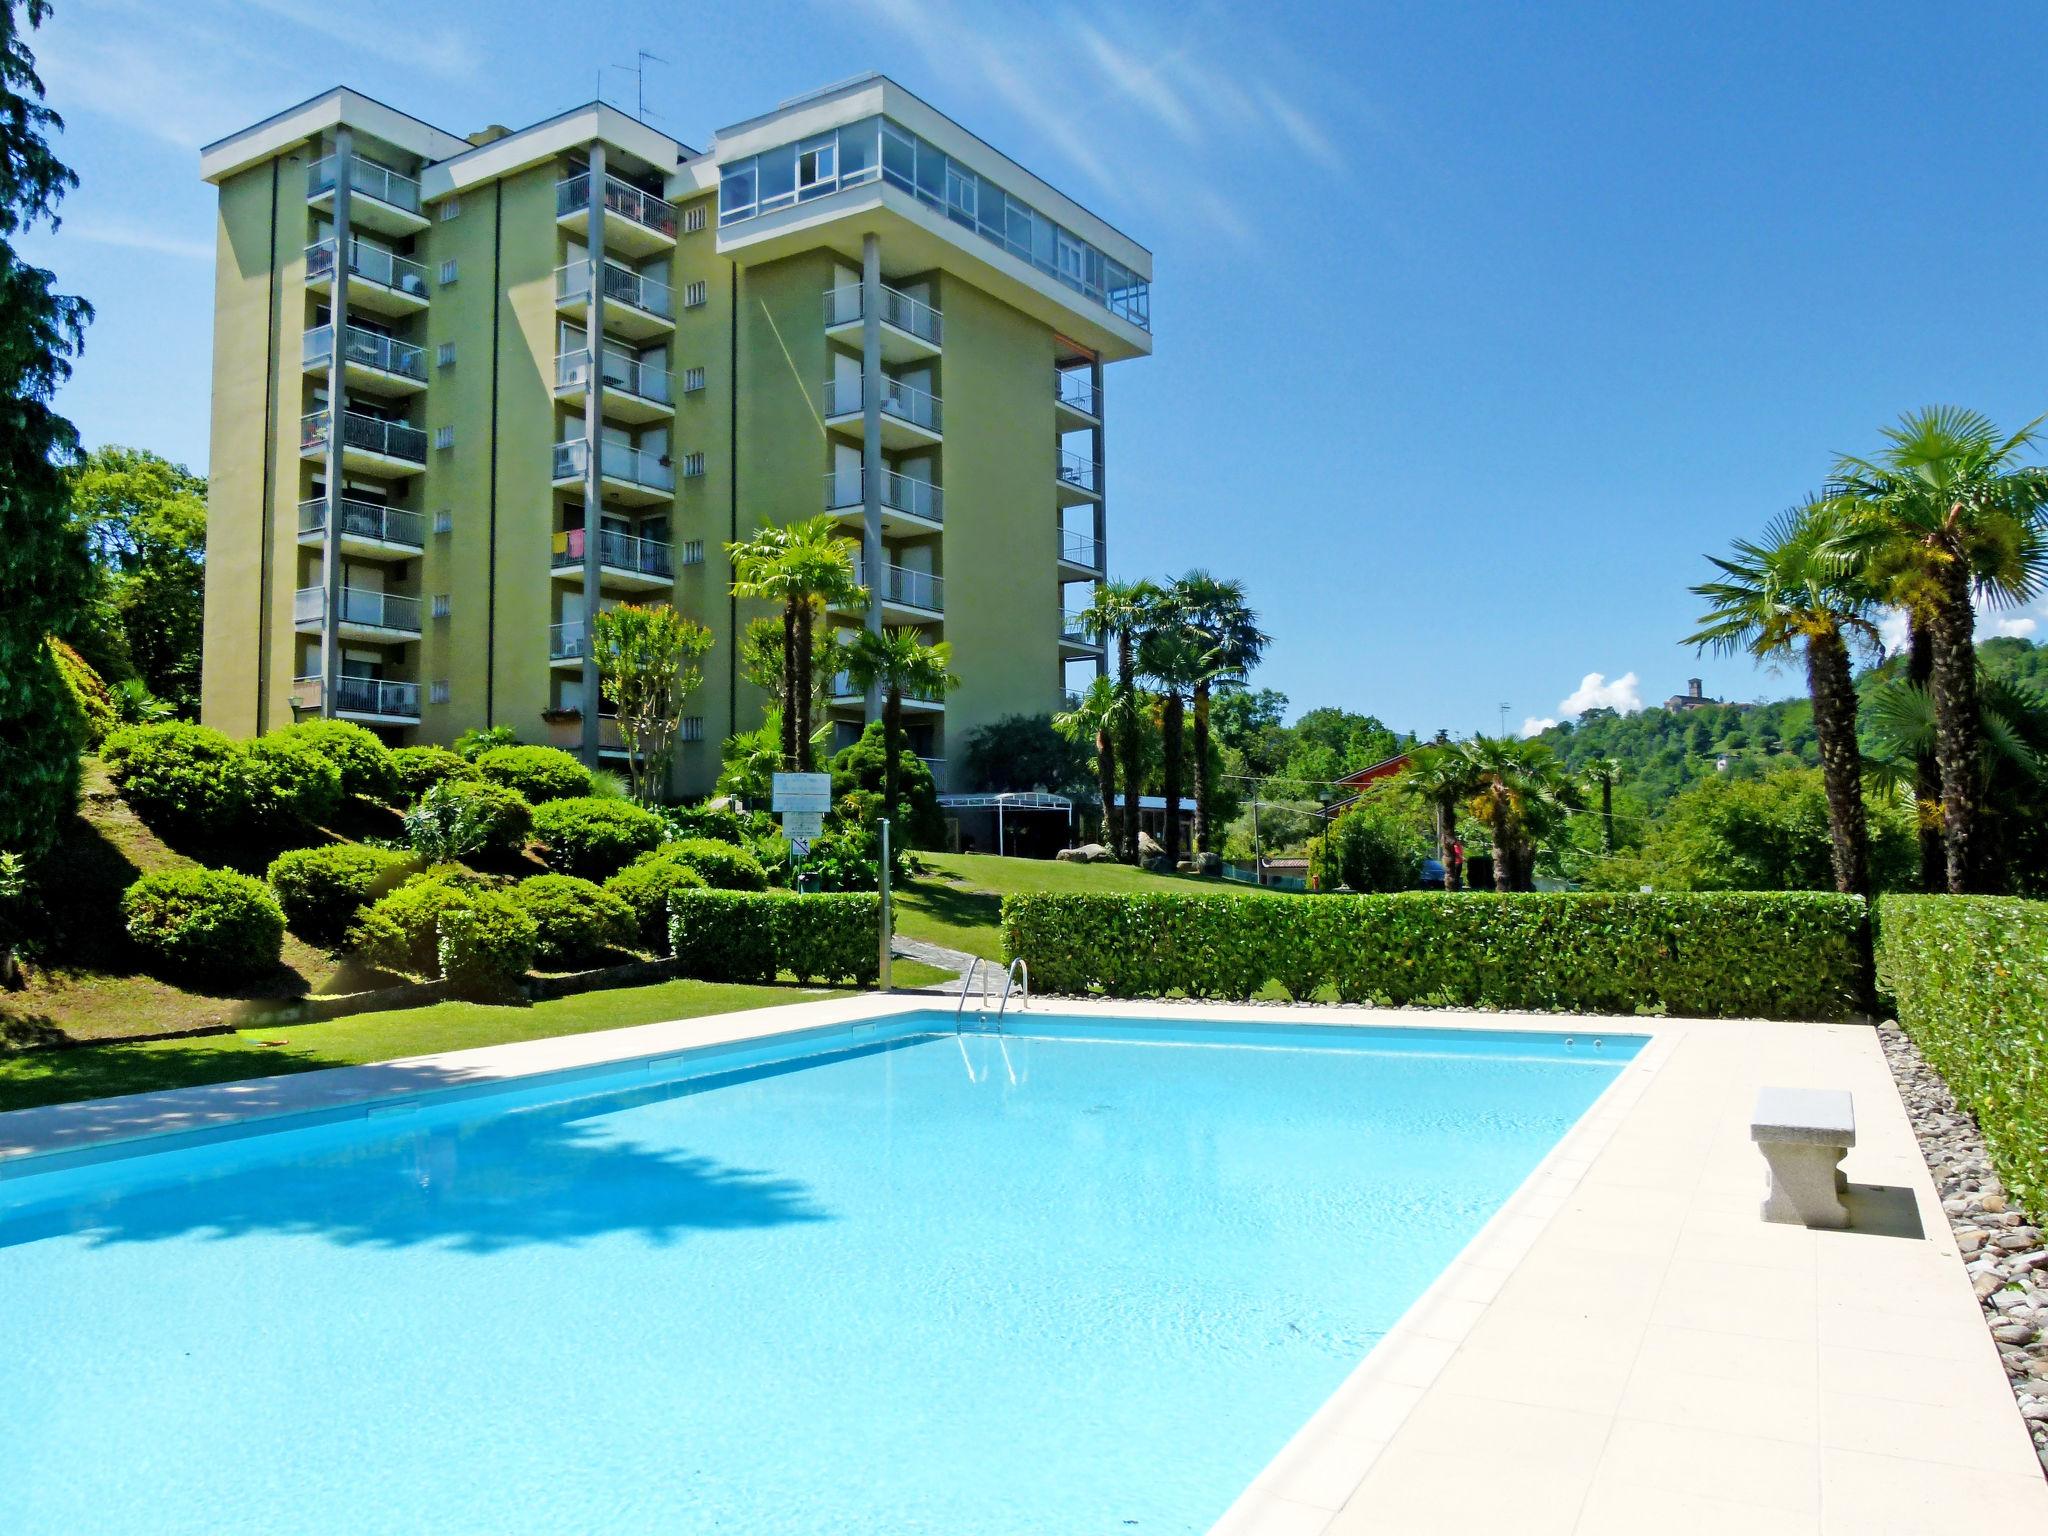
[873, 1279]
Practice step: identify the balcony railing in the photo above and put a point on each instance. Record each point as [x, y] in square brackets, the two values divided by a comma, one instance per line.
[1075, 389]
[366, 520]
[900, 493]
[1080, 471]
[1080, 549]
[900, 584]
[372, 263]
[368, 349]
[372, 434]
[936, 767]
[1074, 625]
[621, 284]
[368, 178]
[359, 605]
[639, 466]
[623, 372]
[843, 688]
[845, 305]
[566, 640]
[572, 195]
[905, 402]
[620, 551]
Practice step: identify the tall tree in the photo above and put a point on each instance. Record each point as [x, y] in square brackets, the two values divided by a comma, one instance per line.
[1229, 645]
[1603, 773]
[1094, 719]
[806, 567]
[1171, 650]
[647, 667]
[1949, 502]
[144, 520]
[1442, 778]
[1523, 796]
[898, 662]
[1116, 616]
[1795, 591]
[43, 569]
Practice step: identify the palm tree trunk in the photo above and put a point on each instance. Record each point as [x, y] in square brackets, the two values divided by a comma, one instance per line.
[1829, 681]
[1607, 814]
[1105, 786]
[1445, 835]
[1955, 722]
[1503, 842]
[1171, 720]
[1926, 771]
[1202, 785]
[800, 700]
[892, 766]
[789, 643]
[1126, 668]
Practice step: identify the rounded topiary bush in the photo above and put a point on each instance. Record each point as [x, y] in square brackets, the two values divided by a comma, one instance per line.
[205, 925]
[486, 944]
[538, 773]
[722, 866]
[592, 837]
[401, 931]
[292, 783]
[180, 775]
[644, 887]
[363, 761]
[720, 822]
[459, 818]
[322, 889]
[576, 922]
[415, 770]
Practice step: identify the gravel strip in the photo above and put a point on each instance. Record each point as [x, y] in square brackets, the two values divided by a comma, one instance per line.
[2002, 1248]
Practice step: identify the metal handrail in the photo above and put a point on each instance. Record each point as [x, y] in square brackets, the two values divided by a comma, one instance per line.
[906, 402]
[368, 178]
[370, 349]
[1078, 548]
[367, 520]
[572, 195]
[966, 985]
[616, 551]
[1018, 970]
[1075, 389]
[372, 263]
[900, 493]
[640, 466]
[372, 434]
[1079, 470]
[844, 305]
[901, 584]
[622, 371]
[572, 281]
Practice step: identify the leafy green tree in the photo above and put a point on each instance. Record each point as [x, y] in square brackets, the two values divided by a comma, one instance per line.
[1375, 845]
[806, 567]
[897, 662]
[1027, 752]
[43, 567]
[1118, 613]
[1441, 777]
[1602, 774]
[144, 520]
[647, 667]
[859, 772]
[762, 661]
[1096, 719]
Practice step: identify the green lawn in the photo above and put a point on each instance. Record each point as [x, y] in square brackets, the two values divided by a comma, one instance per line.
[959, 902]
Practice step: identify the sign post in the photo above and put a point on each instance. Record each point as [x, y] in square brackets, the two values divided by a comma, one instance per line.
[885, 979]
[802, 799]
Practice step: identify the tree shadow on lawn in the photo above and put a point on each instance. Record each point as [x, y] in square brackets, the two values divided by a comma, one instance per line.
[957, 908]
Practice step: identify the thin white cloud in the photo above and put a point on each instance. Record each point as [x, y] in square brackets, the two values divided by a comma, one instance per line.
[138, 237]
[1596, 692]
[1306, 133]
[1894, 631]
[2017, 629]
[1534, 726]
[1139, 83]
[439, 51]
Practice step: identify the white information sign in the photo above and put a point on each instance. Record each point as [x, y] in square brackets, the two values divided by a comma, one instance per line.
[800, 847]
[802, 792]
[802, 826]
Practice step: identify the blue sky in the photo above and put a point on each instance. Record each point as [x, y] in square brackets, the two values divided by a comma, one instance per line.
[1476, 324]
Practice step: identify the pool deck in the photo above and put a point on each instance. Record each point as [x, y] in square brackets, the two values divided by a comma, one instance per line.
[1626, 1345]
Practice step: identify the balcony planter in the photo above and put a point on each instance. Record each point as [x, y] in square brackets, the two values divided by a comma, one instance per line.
[565, 727]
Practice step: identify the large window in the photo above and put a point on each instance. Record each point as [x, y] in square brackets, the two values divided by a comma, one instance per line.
[875, 147]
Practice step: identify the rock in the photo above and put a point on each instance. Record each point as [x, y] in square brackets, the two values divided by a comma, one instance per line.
[1993, 1203]
[1968, 1240]
[1148, 847]
[2013, 1333]
[1087, 853]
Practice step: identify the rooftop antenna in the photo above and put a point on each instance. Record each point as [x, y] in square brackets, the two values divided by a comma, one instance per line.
[1504, 719]
[638, 70]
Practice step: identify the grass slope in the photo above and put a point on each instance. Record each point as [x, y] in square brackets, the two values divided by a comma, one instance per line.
[959, 902]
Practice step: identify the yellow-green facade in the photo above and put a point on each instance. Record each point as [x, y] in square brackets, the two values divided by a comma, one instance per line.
[738, 347]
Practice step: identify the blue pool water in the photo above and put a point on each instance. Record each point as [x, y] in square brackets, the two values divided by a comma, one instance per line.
[1084, 1281]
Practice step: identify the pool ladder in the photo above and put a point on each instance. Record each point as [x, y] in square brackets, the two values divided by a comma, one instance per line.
[1017, 980]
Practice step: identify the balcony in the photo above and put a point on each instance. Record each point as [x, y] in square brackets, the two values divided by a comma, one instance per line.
[565, 730]
[370, 361]
[1079, 478]
[909, 505]
[1076, 639]
[1077, 403]
[636, 223]
[365, 615]
[379, 197]
[367, 530]
[566, 643]
[911, 417]
[378, 281]
[846, 696]
[906, 596]
[936, 767]
[370, 445]
[1079, 552]
[643, 565]
[633, 391]
[636, 306]
[372, 699]
[635, 477]
[911, 329]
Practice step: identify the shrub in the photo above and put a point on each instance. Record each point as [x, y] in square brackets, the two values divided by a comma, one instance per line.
[292, 783]
[723, 867]
[180, 775]
[1789, 955]
[205, 925]
[88, 691]
[750, 936]
[485, 945]
[1374, 846]
[401, 931]
[471, 745]
[576, 922]
[364, 762]
[458, 818]
[322, 889]
[720, 822]
[538, 773]
[594, 837]
[415, 770]
[1969, 977]
[645, 887]
[857, 768]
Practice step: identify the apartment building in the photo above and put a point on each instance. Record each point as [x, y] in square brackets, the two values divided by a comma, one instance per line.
[469, 390]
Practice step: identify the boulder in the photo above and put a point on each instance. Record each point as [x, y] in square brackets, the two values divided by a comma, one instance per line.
[1087, 853]
[1148, 847]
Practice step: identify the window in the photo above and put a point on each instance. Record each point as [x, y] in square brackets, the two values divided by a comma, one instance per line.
[693, 465]
[931, 175]
[988, 210]
[451, 208]
[693, 219]
[695, 294]
[1070, 254]
[437, 693]
[857, 153]
[447, 271]
[444, 521]
[899, 157]
[776, 169]
[693, 552]
[444, 437]
[692, 728]
[440, 605]
[444, 355]
[817, 166]
[736, 192]
[693, 380]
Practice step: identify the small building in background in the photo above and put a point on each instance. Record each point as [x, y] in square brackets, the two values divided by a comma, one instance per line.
[1694, 697]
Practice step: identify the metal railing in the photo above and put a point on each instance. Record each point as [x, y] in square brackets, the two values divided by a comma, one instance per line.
[368, 349]
[366, 520]
[843, 688]
[845, 305]
[936, 766]
[1078, 548]
[368, 178]
[906, 402]
[1074, 626]
[1079, 471]
[572, 195]
[621, 371]
[620, 551]
[359, 605]
[372, 434]
[566, 640]
[372, 263]
[900, 493]
[900, 584]
[638, 466]
[621, 284]
[1075, 389]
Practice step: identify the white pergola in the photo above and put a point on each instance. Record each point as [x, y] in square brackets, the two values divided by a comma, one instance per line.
[1012, 800]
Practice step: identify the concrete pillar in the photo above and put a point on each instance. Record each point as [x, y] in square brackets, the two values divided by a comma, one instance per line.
[1097, 447]
[593, 455]
[873, 560]
[337, 424]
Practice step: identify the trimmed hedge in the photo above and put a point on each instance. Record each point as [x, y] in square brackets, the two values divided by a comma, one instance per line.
[400, 932]
[594, 837]
[460, 817]
[722, 866]
[645, 886]
[292, 782]
[576, 921]
[415, 770]
[363, 761]
[180, 775]
[1794, 955]
[322, 889]
[485, 945]
[538, 773]
[753, 935]
[205, 925]
[1969, 977]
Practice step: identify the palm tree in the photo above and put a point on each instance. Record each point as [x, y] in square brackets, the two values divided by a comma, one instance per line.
[1523, 796]
[1096, 718]
[1795, 590]
[1949, 511]
[1603, 773]
[1116, 614]
[1231, 644]
[805, 566]
[1441, 777]
[1170, 653]
[899, 663]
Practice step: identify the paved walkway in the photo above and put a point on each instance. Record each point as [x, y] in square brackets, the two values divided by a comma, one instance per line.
[958, 961]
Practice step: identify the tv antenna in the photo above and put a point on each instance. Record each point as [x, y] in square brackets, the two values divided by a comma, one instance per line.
[1504, 718]
[638, 70]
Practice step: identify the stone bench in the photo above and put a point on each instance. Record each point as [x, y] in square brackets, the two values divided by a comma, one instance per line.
[1803, 1134]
